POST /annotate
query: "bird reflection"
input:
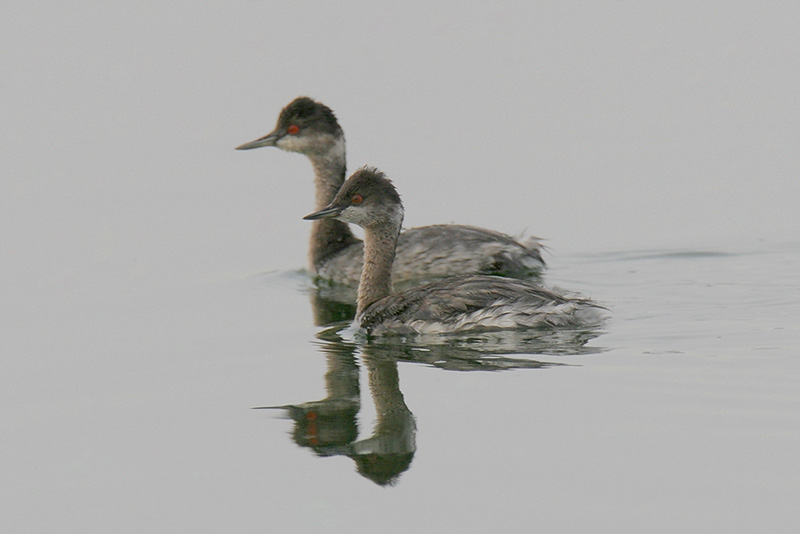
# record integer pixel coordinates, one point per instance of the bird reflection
(385, 455)
(332, 304)
(329, 426)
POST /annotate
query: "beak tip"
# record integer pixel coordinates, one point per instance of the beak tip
(268, 140)
(325, 213)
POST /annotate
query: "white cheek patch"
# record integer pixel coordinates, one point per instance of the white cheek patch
(361, 216)
(352, 215)
(291, 143)
(328, 148)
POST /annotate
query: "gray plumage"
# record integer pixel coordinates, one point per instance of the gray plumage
(453, 304)
(468, 302)
(438, 251)
(424, 253)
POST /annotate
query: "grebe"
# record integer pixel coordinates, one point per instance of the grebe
(335, 254)
(455, 304)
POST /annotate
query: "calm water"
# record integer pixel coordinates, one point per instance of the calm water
(139, 329)
(683, 413)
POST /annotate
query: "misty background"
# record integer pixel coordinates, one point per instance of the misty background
(150, 294)
(597, 126)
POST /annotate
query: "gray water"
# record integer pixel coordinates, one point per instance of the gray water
(153, 291)
(682, 413)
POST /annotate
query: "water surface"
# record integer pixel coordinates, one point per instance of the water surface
(151, 296)
(683, 409)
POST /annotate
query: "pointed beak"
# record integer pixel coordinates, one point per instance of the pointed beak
(268, 140)
(327, 212)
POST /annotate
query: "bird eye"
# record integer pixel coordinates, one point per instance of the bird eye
(356, 199)
(293, 129)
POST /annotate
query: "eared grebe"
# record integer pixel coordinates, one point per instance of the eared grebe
(311, 128)
(454, 304)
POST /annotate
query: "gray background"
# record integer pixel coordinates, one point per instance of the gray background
(597, 125)
(139, 326)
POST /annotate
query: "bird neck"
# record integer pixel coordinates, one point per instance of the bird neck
(380, 244)
(328, 236)
(395, 424)
(330, 164)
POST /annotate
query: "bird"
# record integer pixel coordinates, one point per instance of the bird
(453, 304)
(309, 127)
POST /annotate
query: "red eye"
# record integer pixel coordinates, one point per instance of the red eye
(293, 129)
(356, 199)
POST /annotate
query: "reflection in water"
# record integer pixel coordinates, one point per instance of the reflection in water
(333, 304)
(329, 426)
(478, 350)
(385, 455)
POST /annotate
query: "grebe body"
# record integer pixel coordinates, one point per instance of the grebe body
(454, 304)
(335, 254)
